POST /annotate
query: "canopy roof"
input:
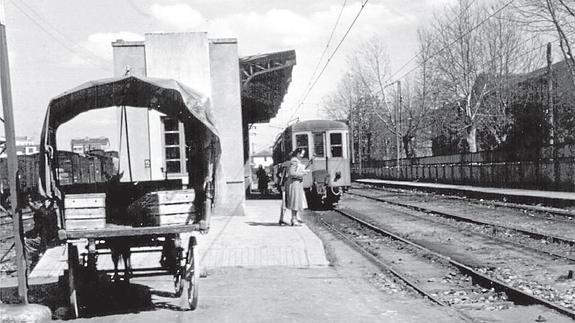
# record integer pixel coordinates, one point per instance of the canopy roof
(265, 79)
(165, 95)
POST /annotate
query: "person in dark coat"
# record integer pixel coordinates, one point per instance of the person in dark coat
(45, 228)
(282, 178)
(263, 180)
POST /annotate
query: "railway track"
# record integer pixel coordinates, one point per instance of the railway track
(6, 226)
(7, 237)
(554, 211)
(434, 275)
(536, 236)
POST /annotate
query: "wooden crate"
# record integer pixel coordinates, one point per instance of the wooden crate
(85, 211)
(164, 208)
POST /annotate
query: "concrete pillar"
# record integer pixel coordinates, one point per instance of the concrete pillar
(226, 100)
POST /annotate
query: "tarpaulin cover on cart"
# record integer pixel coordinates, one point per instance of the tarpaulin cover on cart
(164, 95)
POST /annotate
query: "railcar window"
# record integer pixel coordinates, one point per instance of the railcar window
(318, 144)
(336, 146)
(301, 141)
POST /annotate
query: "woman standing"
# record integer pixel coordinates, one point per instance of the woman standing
(295, 195)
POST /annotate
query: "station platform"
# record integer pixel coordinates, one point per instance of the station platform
(253, 240)
(548, 198)
(257, 240)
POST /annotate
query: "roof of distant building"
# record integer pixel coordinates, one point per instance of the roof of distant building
(87, 140)
(263, 153)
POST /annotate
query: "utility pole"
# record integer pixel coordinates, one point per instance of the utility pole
(12, 160)
(551, 117)
(359, 145)
(398, 126)
(550, 107)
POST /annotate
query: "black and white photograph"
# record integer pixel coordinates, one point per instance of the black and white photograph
(287, 161)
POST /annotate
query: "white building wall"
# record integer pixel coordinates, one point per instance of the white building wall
(185, 58)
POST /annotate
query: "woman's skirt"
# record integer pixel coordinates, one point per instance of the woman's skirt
(295, 196)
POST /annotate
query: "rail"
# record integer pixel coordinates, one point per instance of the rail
(512, 293)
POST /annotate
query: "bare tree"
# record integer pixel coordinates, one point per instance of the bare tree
(552, 17)
(361, 98)
(475, 55)
(398, 108)
(337, 105)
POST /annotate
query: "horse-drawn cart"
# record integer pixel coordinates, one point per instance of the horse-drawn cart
(116, 215)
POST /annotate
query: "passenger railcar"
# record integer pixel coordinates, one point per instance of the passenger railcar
(327, 143)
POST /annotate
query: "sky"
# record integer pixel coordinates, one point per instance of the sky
(55, 45)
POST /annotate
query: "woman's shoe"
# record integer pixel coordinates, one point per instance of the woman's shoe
(295, 223)
(281, 222)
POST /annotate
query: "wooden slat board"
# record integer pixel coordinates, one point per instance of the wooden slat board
(128, 231)
(90, 200)
(86, 224)
(164, 208)
(168, 219)
(85, 211)
(177, 196)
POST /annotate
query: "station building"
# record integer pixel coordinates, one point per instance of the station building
(242, 91)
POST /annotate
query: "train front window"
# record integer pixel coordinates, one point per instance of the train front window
(336, 144)
(301, 141)
(318, 145)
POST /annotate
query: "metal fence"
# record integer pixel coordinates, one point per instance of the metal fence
(548, 168)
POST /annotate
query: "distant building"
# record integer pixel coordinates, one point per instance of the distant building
(262, 157)
(24, 146)
(82, 146)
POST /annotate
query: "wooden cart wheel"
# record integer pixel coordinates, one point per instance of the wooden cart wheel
(73, 266)
(179, 282)
(180, 274)
(192, 274)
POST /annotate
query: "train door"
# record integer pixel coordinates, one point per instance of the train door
(337, 153)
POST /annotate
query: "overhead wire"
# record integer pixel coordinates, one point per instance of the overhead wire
(419, 53)
(326, 45)
(460, 37)
(59, 37)
(329, 60)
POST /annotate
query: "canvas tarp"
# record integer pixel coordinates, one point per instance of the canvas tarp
(164, 95)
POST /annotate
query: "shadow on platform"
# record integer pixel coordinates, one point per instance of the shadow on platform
(98, 298)
(258, 196)
(264, 224)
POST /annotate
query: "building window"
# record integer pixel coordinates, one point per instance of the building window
(318, 145)
(301, 141)
(336, 144)
(174, 152)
